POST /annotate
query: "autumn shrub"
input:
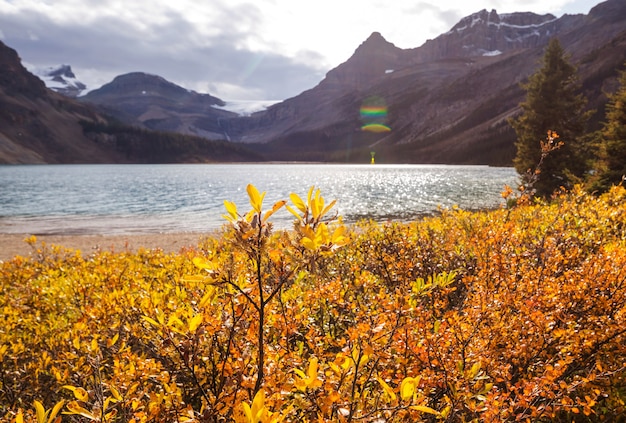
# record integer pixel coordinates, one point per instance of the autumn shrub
(515, 314)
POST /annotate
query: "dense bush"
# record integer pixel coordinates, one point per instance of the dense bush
(506, 315)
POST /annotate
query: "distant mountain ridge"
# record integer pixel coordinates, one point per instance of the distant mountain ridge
(488, 33)
(155, 103)
(446, 101)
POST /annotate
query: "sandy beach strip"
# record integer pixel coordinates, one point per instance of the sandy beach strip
(12, 245)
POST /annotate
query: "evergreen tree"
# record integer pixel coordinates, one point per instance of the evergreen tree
(553, 103)
(612, 166)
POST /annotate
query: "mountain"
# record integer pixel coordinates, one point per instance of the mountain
(38, 125)
(150, 101)
(489, 34)
(446, 101)
(62, 80)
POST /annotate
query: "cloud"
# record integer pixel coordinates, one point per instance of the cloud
(171, 46)
(234, 49)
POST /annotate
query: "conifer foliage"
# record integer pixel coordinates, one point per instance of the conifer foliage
(612, 167)
(553, 103)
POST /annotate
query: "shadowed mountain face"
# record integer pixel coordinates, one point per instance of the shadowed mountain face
(38, 125)
(447, 101)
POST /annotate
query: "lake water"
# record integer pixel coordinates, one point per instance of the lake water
(124, 199)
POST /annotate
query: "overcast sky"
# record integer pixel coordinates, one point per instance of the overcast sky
(233, 49)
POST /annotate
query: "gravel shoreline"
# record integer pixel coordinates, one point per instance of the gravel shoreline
(12, 245)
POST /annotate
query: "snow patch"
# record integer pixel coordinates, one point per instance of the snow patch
(492, 53)
(476, 20)
(58, 78)
(390, 71)
(246, 107)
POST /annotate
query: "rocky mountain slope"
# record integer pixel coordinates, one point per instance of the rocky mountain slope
(36, 123)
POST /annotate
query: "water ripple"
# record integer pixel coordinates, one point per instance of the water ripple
(189, 198)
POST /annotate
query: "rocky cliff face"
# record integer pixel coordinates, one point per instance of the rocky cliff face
(488, 34)
(38, 125)
(14, 79)
(155, 103)
(373, 59)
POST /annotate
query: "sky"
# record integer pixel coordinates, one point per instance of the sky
(234, 49)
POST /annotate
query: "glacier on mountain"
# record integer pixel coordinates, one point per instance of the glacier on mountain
(60, 79)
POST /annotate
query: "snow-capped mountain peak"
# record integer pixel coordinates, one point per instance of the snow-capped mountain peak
(61, 79)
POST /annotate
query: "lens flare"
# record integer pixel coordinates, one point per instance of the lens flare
(373, 113)
(376, 127)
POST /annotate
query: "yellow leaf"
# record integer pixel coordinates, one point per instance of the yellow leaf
(256, 198)
(231, 209)
(195, 278)
(112, 341)
(308, 380)
(328, 207)
(300, 373)
(335, 368)
(312, 371)
(308, 243)
(248, 412)
(321, 234)
(309, 196)
(208, 296)
(407, 388)
(338, 235)
(317, 203)
(116, 394)
(388, 390)
(424, 409)
(195, 322)
(151, 321)
(75, 408)
(3, 350)
(274, 209)
(297, 201)
(55, 410)
(258, 405)
(202, 263)
(473, 371)
(79, 393)
(41, 412)
(110, 415)
(295, 213)
(132, 389)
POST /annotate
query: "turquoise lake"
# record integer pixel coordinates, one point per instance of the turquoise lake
(119, 199)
